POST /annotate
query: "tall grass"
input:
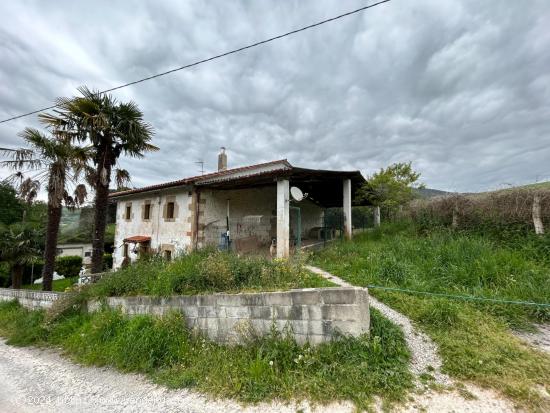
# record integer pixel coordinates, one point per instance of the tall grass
(474, 338)
(261, 369)
(206, 271)
(443, 261)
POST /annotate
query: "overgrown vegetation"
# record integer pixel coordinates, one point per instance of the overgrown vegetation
(500, 214)
(262, 369)
(206, 271)
(474, 338)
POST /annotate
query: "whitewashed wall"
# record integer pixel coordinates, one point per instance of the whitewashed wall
(164, 234)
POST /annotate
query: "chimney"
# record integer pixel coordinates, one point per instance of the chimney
(222, 160)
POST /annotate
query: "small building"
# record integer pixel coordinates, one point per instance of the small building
(83, 250)
(246, 209)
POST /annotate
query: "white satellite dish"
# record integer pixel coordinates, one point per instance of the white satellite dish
(297, 194)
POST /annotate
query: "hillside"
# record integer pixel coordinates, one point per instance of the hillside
(426, 193)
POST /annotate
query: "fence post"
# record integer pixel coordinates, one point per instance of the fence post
(377, 216)
(537, 220)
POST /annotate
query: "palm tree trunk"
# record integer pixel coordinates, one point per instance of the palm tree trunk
(17, 276)
(100, 212)
(50, 249)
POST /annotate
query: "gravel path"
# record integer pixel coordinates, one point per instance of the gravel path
(424, 357)
(540, 339)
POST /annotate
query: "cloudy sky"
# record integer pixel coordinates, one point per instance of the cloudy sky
(459, 87)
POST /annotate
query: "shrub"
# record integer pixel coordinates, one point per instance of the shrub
(68, 266)
(107, 261)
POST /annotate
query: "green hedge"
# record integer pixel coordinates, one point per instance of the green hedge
(68, 266)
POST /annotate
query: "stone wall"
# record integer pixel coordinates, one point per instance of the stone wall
(312, 315)
(29, 298)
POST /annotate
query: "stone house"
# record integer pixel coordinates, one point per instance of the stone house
(245, 209)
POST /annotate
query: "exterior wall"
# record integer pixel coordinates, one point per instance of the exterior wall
(311, 315)
(252, 221)
(33, 300)
(166, 234)
(81, 250)
(251, 213)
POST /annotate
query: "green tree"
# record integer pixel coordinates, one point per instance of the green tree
(11, 209)
(113, 129)
(389, 188)
(19, 246)
(58, 163)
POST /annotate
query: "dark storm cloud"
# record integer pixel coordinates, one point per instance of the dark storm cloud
(461, 88)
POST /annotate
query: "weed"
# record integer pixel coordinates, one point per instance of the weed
(262, 369)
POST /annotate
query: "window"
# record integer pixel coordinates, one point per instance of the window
(170, 207)
(128, 214)
(168, 255)
(147, 211)
(125, 250)
(88, 254)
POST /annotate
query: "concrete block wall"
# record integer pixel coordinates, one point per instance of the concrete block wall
(33, 300)
(312, 315)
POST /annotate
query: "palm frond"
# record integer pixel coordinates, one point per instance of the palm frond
(122, 178)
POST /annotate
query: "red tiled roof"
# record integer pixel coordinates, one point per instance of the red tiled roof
(198, 178)
(137, 239)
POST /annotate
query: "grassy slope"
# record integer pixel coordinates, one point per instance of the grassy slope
(263, 369)
(475, 340)
(204, 272)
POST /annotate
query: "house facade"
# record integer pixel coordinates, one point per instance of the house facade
(83, 250)
(246, 209)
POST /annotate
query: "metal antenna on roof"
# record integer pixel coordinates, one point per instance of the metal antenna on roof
(201, 163)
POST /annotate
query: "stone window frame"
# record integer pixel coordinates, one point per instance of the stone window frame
(170, 199)
(143, 209)
(126, 206)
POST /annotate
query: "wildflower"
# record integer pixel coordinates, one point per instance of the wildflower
(271, 362)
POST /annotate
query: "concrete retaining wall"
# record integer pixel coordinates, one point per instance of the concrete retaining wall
(29, 298)
(312, 315)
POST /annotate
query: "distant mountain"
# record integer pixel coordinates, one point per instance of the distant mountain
(426, 193)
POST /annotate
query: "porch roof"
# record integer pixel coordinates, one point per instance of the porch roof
(324, 187)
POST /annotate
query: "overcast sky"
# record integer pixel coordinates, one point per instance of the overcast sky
(460, 88)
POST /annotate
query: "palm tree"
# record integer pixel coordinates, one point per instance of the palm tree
(58, 163)
(27, 190)
(113, 129)
(19, 246)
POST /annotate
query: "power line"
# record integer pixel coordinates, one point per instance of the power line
(213, 57)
